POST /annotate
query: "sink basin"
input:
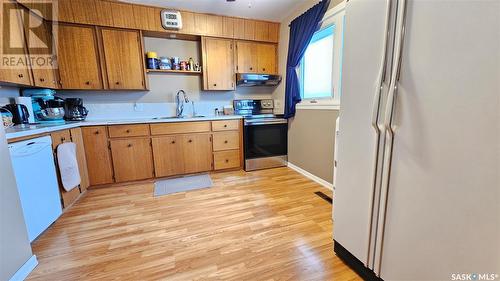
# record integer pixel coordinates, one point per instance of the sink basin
(175, 117)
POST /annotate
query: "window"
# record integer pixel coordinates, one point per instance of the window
(320, 70)
(316, 66)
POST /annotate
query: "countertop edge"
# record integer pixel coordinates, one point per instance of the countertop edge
(26, 132)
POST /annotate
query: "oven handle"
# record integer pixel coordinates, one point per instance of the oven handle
(257, 123)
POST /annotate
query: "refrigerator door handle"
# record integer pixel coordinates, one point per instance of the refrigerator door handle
(389, 111)
(379, 86)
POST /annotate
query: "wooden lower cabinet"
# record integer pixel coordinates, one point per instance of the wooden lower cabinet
(197, 153)
(167, 154)
(227, 159)
(77, 138)
(67, 197)
(99, 165)
(132, 159)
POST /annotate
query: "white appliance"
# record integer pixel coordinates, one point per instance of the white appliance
(418, 182)
(35, 172)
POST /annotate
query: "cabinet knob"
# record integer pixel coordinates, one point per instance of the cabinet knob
(20, 75)
(127, 131)
(251, 68)
(215, 85)
(263, 69)
(227, 160)
(173, 142)
(87, 83)
(117, 83)
(63, 139)
(42, 80)
(225, 125)
(225, 141)
(129, 145)
(190, 140)
(96, 132)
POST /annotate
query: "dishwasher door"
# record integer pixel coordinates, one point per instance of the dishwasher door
(36, 178)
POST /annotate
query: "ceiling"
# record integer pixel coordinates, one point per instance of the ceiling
(271, 10)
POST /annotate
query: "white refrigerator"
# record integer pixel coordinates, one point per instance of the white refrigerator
(417, 192)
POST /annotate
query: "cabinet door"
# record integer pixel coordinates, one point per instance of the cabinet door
(99, 165)
(218, 58)
(132, 159)
(246, 56)
(43, 75)
(19, 73)
(167, 154)
(77, 57)
(77, 138)
(197, 153)
(266, 58)
(68, 197)
(123, 57)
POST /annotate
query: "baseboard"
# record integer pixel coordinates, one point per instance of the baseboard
(354, 263)
(25, 270)
(311, 176)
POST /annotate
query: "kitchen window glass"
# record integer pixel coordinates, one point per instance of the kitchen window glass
(317, 65)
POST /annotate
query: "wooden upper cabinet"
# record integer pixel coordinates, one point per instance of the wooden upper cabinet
(238, 28)
(227, 27)
(141, 18)
(249, 30)
(218, 61)
(77, 57)
(17, 74)
(99, 165)
(261, 31)
(132, 159)
(214, 25)
(43, 75)
(274, 31)
(200, 24)
(123, 15)
(103, 11)
(246, 57)
(188, 25)
(84, 11)
(123, 58)
(266, 59)
(197, 152)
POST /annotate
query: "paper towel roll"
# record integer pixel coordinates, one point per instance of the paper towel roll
(27, 102)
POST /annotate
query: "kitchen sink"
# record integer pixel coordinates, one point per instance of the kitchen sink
(175, 117)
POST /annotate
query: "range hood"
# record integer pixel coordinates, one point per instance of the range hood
(255, 79)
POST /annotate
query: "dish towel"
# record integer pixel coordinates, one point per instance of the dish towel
(68, 165)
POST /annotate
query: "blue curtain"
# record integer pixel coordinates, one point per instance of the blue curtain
(302, 30)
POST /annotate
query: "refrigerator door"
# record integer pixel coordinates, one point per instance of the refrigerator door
(443, 195)
(368, 23)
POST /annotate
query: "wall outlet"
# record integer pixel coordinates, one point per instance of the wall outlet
(139, 107)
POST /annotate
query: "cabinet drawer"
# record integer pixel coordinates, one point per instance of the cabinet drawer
(180, 128)
(226, 140)
(226, 159)
(225, 125)
(120, 131)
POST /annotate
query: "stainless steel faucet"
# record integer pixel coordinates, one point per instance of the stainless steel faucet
(180, 103)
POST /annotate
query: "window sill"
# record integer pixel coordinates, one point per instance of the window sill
(318, 105)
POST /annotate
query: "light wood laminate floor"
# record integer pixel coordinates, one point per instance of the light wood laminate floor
(263, 225)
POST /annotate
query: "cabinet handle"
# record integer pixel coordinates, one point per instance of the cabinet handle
(251, 68)
(63, 139)
(127, 131)
(96, 132)
(227, 160)
(225, 141)
(42, 80)
(129, 145)
(20, 75)
(225, 125)
(215, 85)
(263, 69)
(117, 83)
(190, 140)
(87, 83)
(173, 142)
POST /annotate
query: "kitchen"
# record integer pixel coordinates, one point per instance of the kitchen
(199, 140)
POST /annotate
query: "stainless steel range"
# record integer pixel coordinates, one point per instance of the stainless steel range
(265, 135)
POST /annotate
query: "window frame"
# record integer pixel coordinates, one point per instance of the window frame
(336, 17)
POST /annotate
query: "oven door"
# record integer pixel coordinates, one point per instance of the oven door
(266, 143)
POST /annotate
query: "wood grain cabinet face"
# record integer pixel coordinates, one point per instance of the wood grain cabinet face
(225, 125)
(123, 57)
(77, 138)
(196, 153)
(99, 165)
(226, 140)
(168, 156)
(123, 131)
(226, 159)
(77, 58)
(20, 75)
(58, 138)
(266, 59)
(218, 60)
(246, 57)
(132, 159)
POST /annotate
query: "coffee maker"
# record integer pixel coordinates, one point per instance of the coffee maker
(74, 109)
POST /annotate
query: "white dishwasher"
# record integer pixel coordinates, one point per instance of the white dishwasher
(36, 179)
